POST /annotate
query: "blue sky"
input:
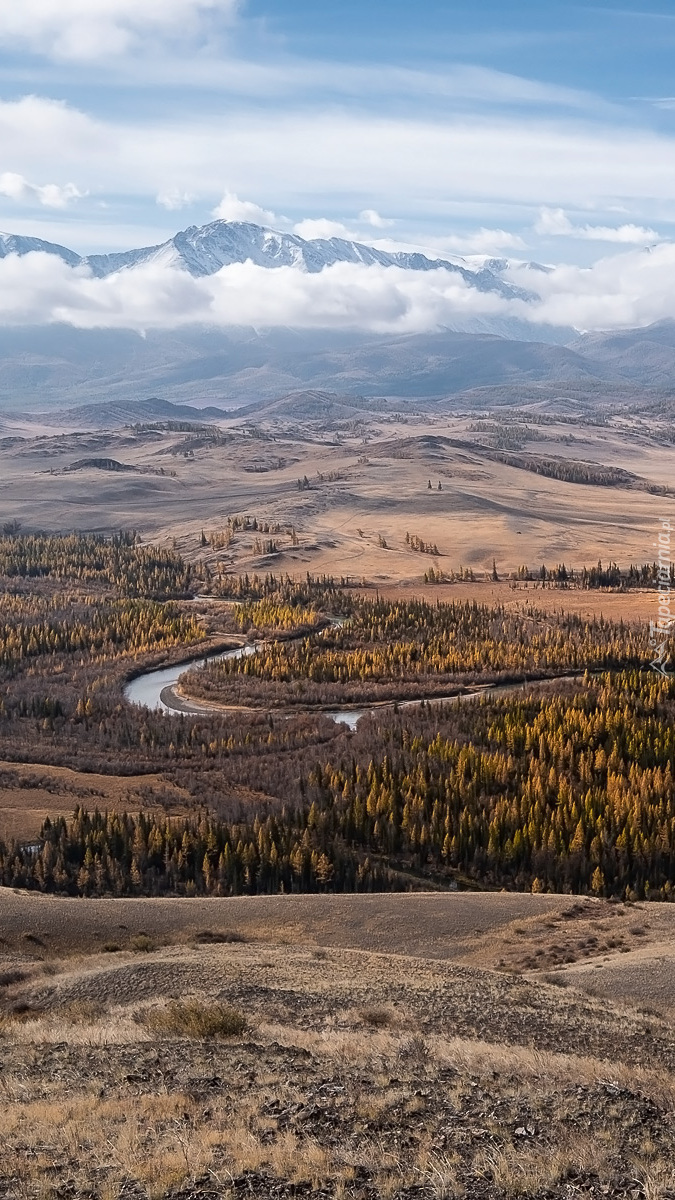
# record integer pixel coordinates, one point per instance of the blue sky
(530, 130)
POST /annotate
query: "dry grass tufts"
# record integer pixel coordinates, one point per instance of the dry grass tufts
(533, 1170)
(196, 1019)
(377, 1018)
(142, 944)
(657, 1181)
(7, 978)
(82, 1012)
(217, 937)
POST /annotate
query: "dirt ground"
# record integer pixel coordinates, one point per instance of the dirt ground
(607, 948)
(359, 1046)
(637, 605)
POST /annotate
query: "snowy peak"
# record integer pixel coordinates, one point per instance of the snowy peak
(204, 250)
(12, 243)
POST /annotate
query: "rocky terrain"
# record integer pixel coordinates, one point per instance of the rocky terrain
(275, 1053)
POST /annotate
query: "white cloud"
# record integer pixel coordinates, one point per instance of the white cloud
(40, 288)
(554, 222)
(92, 29)
(479, 241)
(371, 217)
(435, 169)
(50, 195)
(231, 208)
(321, 227)
(630, 289)
(623, 291)
(173, 199)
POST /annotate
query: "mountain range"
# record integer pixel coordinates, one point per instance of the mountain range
(203, 250)
(56, 366)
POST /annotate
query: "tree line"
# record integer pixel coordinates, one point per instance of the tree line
(570, 793)
(120, 561)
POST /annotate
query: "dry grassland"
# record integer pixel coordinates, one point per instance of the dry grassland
(274, 1053)
(404, 1047)
(367, 486)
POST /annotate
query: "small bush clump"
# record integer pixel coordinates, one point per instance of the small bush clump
(142, 944)
(196, 1019)
(7, 978)
(211, 937)
(377, 1018)
(82, 1012)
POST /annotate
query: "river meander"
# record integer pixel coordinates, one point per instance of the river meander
(156, 690)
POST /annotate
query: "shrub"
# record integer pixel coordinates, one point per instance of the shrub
(210, 937)
(142, 944)
(378, 1018)
(12, 976)
(82, 1012)
(196, 1019)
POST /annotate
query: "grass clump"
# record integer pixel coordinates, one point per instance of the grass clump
(377, 1018)
(142, 944)
(196, 1019)
(7, 978)
(217, 937)
(82, 1012)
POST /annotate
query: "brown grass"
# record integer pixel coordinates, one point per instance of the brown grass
(348, 526)
(262, 1068)
(195, 1019)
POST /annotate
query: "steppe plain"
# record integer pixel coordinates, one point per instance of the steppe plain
(398, 1046)
(367, 476)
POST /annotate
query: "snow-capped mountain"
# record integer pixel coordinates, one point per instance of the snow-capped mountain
(12, 243)
(204, 250)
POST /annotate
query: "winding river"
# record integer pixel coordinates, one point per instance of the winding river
(148, 689)
(155, 690)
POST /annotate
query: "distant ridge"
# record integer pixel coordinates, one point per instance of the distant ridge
(315, 404)
(131, 412)
(94, 374)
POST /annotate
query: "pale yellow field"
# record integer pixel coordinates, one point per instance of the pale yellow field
(368, 486)
(31, 792)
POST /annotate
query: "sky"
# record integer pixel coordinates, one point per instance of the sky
(538, 132)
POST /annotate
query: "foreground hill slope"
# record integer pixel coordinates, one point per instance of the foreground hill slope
(276, 1052)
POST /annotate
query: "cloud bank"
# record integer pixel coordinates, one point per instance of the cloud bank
(50, 195)
(91, 29)
(554, 222)
(627, 290)
(487, 169)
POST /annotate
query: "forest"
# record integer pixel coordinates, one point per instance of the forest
(120, 561)
(572, 792)
(567, 786)
(404, 649)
